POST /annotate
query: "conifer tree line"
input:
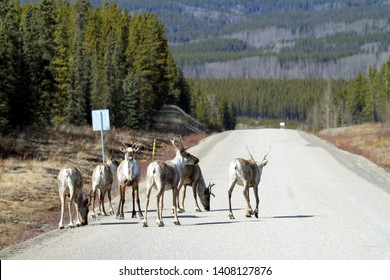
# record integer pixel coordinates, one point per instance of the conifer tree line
(315, 103)
(364, 99)
(60, 60)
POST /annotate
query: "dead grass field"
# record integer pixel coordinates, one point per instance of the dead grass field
(30, 162)
(369, 140)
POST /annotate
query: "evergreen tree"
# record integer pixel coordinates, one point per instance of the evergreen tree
(147, 55)
(62, 40)
(383, 98)
(46, 85)
(5, 86)
(119, 63)
(128, 113)
(6, 71)
(79, 90)
(94, 49)
(355, 99)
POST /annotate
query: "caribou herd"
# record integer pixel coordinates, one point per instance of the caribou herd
(181, 171)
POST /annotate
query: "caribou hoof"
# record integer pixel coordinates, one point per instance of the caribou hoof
(248, 215)
(160, 223)
(180, 210)
(231, 217)
(111, 212)
(256, 214)
(61, 227)
(145, 224)
(197, 209)
(177, 222)
(140, 216)
(93, 215)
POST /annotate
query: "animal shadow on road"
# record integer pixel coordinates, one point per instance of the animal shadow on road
(114, 223)
(291, 217)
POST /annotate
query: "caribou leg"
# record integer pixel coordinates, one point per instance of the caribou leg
(232, 184)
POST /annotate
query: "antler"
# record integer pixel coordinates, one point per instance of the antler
(267, 153)
(123, 143)
(181, 143)
(136, 146)
(249, 153)
(173, 143)
(209, 187)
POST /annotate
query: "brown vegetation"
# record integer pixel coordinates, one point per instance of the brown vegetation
(31, 159)
(369, 140)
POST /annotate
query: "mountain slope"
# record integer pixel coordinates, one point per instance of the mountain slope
(276, 39)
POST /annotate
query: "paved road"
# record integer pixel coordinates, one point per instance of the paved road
(315, 203)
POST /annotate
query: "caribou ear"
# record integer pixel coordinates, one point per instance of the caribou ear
(264, 163)
(86, 202)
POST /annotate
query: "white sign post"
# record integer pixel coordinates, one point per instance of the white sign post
(101, 121)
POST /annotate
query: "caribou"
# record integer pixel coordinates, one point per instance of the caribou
(103, 180)
(247, 173)
(192, 176)
(128, 174)
(70, 183)
(167, 176)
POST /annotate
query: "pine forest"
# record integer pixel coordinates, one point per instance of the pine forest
(59, 60)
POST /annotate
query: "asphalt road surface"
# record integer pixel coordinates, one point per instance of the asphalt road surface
(316, 203)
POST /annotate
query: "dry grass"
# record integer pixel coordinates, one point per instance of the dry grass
(30, 161)
(369, 140)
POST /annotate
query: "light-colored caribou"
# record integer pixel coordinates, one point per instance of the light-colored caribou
(192, 176)
(70, 183)
(167, 176)
(129, 174)
(247, 173)
(103, 180)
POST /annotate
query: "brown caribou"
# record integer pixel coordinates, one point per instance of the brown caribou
(247, 173)
(167, 176)
(70, 183)
(129, 175)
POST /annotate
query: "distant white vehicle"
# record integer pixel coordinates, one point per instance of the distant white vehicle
(282, 124)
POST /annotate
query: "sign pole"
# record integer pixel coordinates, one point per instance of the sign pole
(101, 134)
(101, 121)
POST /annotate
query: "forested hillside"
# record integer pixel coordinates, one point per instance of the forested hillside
(273, 38)
(60, 60)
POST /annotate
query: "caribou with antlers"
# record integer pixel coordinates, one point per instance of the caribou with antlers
(192, 176)
(129, 174)
(167, 176)
(247, 173)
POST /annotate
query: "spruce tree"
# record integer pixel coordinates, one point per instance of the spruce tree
(128, 112)
(46, 84)
(62, 40)
(78, 110)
